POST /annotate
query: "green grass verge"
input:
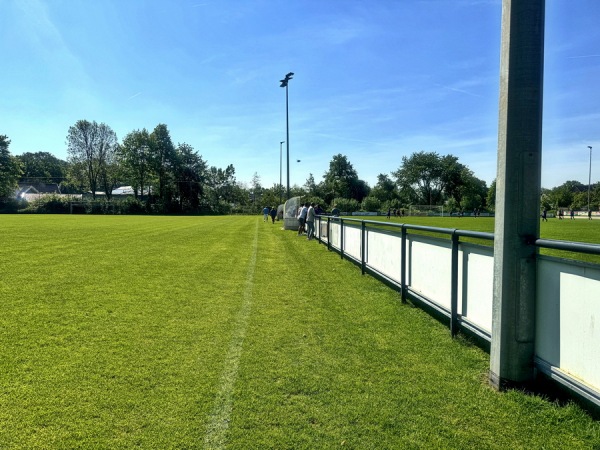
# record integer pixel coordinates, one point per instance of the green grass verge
(223, 332)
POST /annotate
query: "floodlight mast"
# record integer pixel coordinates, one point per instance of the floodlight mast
(280, 185)
(284, 83)
(590, 179)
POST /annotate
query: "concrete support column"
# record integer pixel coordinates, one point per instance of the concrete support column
(517, 193)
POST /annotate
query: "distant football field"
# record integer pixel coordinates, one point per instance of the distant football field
(146, 332)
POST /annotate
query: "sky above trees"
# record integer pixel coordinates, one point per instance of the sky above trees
(375, 81)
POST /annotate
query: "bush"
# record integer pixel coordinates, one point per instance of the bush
(9, 205)
(130, 205)
(371, 204)
(346, 204)
(48, 204)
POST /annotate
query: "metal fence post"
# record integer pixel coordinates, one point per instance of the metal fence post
(454, 286)
(363, 237)
(403, 266)
(328, 233)
(341, 238)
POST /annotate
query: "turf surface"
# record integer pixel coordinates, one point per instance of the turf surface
(227, 332)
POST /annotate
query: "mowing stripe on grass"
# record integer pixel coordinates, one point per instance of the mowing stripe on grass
(219, 418)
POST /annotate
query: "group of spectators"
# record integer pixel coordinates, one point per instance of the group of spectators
(306, 219)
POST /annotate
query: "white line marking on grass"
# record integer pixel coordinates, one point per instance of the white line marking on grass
(218, 423)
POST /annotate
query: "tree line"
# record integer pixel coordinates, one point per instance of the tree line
(169, 178)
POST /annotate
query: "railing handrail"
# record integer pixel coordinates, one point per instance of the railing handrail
(573, 246)
(409, 226)
(580, 247)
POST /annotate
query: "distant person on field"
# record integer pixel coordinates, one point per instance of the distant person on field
(266, 214)
(273, 214)
(590, 214)
(560, 214)
(572, 214)
(389, 212)
(544, 215)
(310, 221)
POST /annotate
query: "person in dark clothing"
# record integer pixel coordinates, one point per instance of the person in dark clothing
(273, 214)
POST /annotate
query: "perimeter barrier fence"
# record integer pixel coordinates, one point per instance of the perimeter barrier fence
(453, 279)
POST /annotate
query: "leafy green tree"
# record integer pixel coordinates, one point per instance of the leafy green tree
(42, 166)
(341, 180)
(190, 172)
(109, 174)
(490, 199)
(346, 204)
(91, 145)
(270, 197)
(222, 190)
(311, 187)
(563, 196)
(423, 173)
(10, 169)
(162, 163)
(257, 193)
(134, 160)
(371, 204)
(469, 192)
(297, 191)
(385, 189)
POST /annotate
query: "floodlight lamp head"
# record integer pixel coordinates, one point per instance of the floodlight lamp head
(289, 76)
(590, 147)
(283, 83)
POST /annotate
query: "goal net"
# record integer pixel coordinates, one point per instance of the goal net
(426, 210)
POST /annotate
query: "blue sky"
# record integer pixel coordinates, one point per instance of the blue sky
(374, 80)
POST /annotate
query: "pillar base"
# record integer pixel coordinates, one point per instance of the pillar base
(502, 384)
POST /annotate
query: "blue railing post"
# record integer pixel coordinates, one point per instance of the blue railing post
(363, 238)
(328, 233)
(341, 238)
(454, 286)
(403, 266)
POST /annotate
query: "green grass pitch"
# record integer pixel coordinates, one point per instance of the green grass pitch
(227, 332)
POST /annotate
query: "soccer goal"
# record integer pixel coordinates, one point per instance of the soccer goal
(426, 210)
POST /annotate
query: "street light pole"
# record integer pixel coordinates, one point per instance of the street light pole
(284, 83)
(590, 178)
(280, 186)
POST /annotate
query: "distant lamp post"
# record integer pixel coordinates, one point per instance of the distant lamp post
(284, 83)
(590, 177)
(280, 185)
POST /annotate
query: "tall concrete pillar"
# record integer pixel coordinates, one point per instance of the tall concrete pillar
(517, 193)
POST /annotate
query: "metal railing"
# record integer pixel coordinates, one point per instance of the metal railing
(457, 239)
(403, 228)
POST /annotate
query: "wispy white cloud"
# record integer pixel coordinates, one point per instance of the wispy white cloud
(134, 95)
(583, 56)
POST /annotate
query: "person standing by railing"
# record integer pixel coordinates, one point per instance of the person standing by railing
(302, 219)
(310, 221)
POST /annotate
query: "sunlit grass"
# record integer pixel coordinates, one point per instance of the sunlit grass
(115, 333)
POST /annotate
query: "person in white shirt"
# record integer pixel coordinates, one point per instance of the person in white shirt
(302, 219)
(310, 221)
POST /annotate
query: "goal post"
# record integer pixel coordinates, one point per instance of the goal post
(426, 210)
